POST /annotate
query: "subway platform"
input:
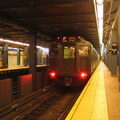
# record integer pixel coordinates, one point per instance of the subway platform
(100, 99)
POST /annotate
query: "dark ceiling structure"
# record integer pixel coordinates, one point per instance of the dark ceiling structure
(49, 19)
(110, 19)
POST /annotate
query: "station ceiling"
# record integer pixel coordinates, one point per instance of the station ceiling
(49, 19)
(110, 19)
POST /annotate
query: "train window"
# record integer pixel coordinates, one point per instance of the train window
(69, 52)
(64, 39)
(83, 50)
(69, 39)
(72, 39)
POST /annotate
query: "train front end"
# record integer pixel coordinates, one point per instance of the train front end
(69, 62)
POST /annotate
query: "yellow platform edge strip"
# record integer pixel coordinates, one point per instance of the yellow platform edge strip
(72, 111)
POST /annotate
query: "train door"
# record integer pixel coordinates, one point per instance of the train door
(82, 57)
(68, 65)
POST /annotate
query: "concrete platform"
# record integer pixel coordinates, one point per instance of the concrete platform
(100, 99)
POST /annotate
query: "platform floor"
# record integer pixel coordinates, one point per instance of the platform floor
(100, 99)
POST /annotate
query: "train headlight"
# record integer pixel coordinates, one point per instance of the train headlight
(53, 74)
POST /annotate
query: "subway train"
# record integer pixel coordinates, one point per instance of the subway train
(72, 60)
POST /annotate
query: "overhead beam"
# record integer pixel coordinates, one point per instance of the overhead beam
(23, 27)
(115, 22)
(107, 30)
(57, 15)
(66, 23)
(15, 5)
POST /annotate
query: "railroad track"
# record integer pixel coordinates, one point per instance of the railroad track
(10, 111)
(50, 103)
(56, 108)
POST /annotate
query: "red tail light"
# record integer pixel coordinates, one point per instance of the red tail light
(53, 74)
(83, 75)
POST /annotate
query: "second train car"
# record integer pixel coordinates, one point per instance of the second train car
(72, 60)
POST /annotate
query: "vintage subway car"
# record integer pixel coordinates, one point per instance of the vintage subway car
(72, 60)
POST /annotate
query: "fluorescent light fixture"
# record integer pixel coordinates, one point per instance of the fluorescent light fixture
(19, 43)
(9, 41)
(11, 48)
(100, 11)
(99, 4)
(99, 1)
(100, 18)
(25, 44)
(39, 47)
(1, 39)
(46, 50)
(14, 42)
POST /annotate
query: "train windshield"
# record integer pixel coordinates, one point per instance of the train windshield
(83, 50)
(69, 52)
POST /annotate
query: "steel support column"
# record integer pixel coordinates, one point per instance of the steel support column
(26, 56)
(113, 58)
(109, 55)
(32, 59)
(119, 38)
(38, 56)
(18, 57)
(5, 54)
